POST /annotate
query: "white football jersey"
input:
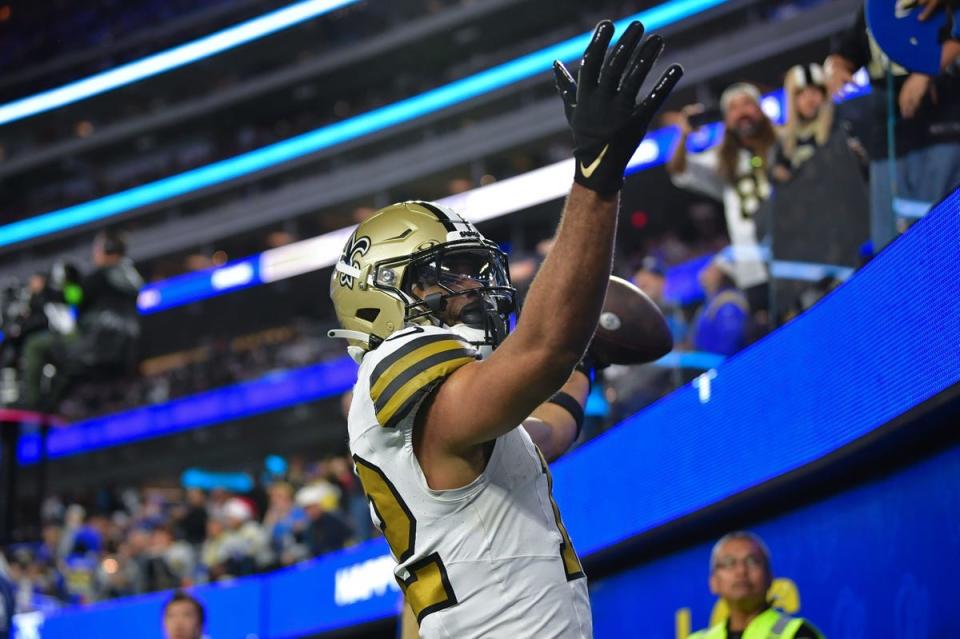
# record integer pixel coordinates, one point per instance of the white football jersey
(491, 559)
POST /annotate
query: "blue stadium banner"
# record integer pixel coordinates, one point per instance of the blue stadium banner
(868, 562)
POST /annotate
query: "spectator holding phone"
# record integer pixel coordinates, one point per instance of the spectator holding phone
(734, 172)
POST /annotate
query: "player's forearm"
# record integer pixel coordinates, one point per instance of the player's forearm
(565, 299)
(552, 427)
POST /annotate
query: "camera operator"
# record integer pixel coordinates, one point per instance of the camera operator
(108, 328)
(43, 304)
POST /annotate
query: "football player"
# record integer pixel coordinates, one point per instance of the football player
(453, 421)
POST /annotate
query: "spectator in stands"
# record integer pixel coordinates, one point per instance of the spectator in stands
(926, 120)
(809, 120)
(651, 278)
(193, 520)
(721, 325)
(284, 523)
(353, 502)
(734, 172)
(212, 553)
(327, 530)
(7, 600)
(183, 617)
(632, 388)
(118, 575)
(108, 327)
(170, 563)
(73, 521)
(741, 575)
(245, 549)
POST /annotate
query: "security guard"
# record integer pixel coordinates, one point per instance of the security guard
(740, 575)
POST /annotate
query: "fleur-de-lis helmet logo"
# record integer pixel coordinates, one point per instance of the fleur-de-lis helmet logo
(352, 253)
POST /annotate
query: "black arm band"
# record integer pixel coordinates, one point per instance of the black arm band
(572, 406)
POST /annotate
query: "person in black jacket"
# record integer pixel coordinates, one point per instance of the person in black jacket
(108, 328)
(926, 122)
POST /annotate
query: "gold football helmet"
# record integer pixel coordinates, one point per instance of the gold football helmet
(426, 246)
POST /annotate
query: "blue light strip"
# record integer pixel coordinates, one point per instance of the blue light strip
(200, 285)
(689, 359)
(273, 392)
(327, 136)
(164, 61)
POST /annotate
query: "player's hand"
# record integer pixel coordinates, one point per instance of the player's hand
(601, 106)
(916, 86)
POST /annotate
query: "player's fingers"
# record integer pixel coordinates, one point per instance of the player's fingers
(566, 86)
(594, 54)
(660, 91)
(640, 64)
(617, 60)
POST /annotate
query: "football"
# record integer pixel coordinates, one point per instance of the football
(631, 330)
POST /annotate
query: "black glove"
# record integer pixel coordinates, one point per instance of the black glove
(601, 107)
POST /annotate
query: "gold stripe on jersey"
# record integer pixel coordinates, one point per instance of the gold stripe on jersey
(394, 364)
(571, 562)
(428, 587)
(396, 520)
(400, 380)
(393, 406)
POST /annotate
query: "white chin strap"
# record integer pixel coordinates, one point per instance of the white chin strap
(355, 352)
(475, 336)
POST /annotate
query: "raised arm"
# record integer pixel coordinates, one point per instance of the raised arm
(484, 400)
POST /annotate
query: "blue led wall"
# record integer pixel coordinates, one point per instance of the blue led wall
(876, 561)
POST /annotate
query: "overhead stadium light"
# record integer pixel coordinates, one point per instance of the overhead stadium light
(324, 137)
(164, 61)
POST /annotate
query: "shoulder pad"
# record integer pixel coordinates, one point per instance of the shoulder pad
(408, 365)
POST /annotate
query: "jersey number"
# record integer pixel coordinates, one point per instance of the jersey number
(428, 588)
(571, 563)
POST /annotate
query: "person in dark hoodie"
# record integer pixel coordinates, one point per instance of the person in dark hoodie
(108, 328)
(924, 112)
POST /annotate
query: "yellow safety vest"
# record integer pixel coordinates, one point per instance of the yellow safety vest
(769, 624)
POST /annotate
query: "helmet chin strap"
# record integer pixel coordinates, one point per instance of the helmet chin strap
(475, 325)
(476, 336)
(356, 353)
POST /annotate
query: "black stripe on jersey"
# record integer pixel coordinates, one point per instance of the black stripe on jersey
(404, 350)
(416, 369)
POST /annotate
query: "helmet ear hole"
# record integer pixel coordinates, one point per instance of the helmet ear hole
(368, 314)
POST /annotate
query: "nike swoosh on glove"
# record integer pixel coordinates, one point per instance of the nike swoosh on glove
(601, 105)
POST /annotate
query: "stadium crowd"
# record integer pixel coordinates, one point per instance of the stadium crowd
(120, 542)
